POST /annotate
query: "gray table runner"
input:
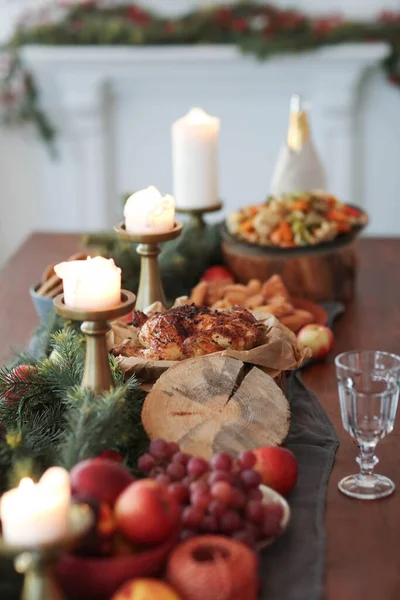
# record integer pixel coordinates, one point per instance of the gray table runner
(293, 567)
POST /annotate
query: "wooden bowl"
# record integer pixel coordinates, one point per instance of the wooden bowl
(84, 578)
(318, 273)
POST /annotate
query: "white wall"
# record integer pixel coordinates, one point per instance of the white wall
(23, 162)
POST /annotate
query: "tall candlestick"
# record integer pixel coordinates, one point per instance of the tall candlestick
(36, 514)
(195, 160)
(90, 284)
(147, 211)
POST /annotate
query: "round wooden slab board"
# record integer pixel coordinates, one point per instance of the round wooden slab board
(216, 404)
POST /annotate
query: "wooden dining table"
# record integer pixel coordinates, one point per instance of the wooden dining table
(363, 537)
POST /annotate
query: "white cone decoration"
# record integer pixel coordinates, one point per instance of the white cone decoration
(299, 167)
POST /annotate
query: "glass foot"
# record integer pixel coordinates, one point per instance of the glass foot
(366, 487)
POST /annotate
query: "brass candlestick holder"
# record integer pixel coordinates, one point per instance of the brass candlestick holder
(196, 215)
(150, 285)
(97, 374)
(38, 563)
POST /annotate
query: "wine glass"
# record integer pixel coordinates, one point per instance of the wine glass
(368, 383)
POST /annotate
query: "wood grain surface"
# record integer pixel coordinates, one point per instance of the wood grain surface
(213, 404)
(363, 538)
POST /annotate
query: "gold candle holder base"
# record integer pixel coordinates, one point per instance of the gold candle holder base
(150, 285)
(196, 218)
(97, 374)
(38, 563)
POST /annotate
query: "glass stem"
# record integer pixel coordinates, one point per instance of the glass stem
(367, 459)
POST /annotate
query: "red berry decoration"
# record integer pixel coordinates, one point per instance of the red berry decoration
(20, 373)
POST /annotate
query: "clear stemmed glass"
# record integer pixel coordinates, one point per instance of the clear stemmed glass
(368, 385)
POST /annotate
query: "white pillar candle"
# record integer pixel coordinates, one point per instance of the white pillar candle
(35, 514)
(147, 211)
(90, 284)
(195, 160)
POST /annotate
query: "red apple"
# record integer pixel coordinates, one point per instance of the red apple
(100, 478)
(112, 455)
(277, 467)
(316, 337)
(142, 589)
(145, 512)
(218, 273)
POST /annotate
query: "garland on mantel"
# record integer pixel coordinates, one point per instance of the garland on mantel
(256, 28)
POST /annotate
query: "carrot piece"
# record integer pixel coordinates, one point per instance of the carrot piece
(254, 210)
(246, 226)
(276, 236)
(343, 227)
(300, 205)
(287, 233)
(332, 201)
(351, 212)
(336, 216)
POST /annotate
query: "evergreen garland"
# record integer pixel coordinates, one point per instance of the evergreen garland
(48, 419)
(257, 28)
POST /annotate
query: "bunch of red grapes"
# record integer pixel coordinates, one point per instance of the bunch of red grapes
(221, 496)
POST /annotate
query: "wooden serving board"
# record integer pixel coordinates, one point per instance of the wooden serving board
(216, 404)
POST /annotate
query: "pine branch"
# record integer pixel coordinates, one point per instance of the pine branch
(98, 422)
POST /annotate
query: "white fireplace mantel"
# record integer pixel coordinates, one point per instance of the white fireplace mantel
(113, 107)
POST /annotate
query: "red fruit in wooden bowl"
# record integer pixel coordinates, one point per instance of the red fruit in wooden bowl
(278, 468)
(100, 478)
(99, 578)
(145, 512)
(218, 273)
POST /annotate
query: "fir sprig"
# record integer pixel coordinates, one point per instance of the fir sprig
(102, 422)
(47, 418)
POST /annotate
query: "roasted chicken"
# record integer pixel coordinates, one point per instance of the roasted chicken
(188, 331)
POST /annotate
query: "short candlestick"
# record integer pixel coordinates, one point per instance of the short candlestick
(97, 374)
(150, 284)
(196, 218)
(38, 563)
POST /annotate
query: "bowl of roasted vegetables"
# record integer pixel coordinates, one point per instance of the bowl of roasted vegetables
(296, 221)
